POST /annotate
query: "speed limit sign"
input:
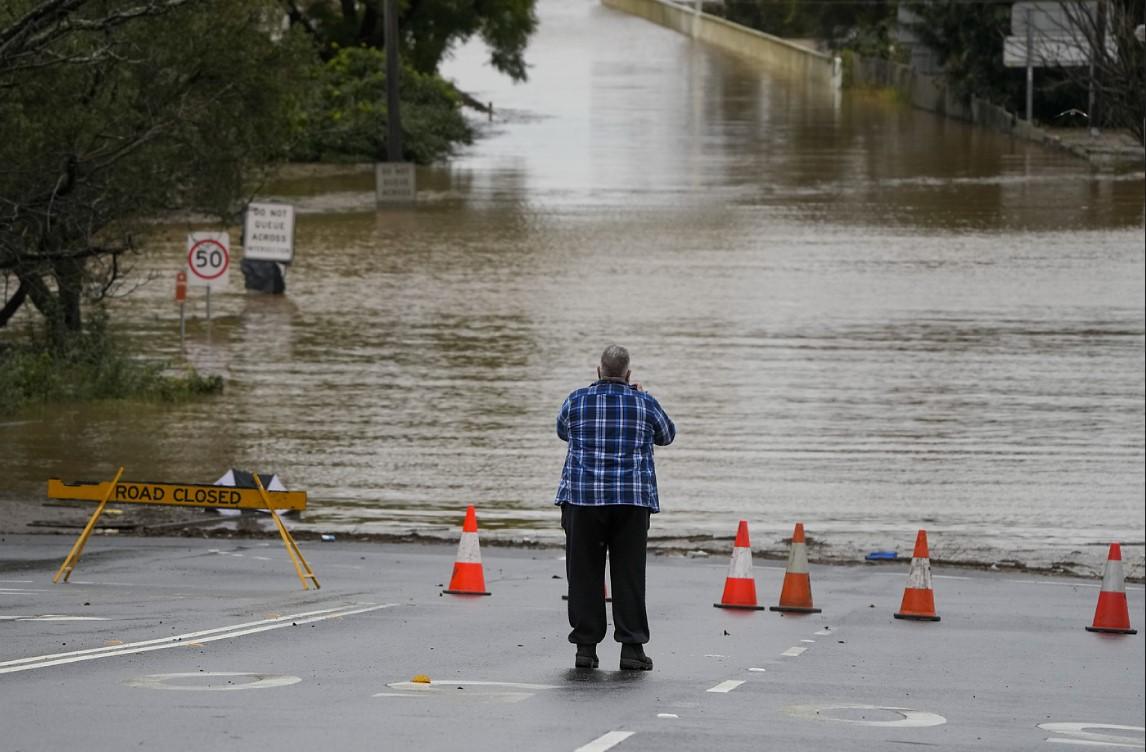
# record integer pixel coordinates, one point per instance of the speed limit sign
(209, 259)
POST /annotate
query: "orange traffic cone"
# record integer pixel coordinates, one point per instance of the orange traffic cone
(796, 594)
(918, 598)
(468, 577)
(739, 586)
(1112, 615)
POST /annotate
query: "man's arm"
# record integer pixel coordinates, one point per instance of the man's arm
(563, 422)
(664, 430)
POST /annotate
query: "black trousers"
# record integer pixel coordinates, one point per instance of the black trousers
(622, 532)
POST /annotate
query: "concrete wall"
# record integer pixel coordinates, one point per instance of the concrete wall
(776, 54)
(932, 94)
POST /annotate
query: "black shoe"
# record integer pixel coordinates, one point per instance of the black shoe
(633, 658)
(586, 657)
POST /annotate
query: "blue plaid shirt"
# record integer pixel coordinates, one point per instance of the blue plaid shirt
(611, 428)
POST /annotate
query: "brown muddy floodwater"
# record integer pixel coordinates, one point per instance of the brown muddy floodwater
(861, 316)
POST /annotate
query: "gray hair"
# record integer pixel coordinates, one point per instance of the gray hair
(614, 362)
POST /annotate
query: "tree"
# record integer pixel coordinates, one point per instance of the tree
(1116, 77)
(117, 111)
(345, 114)
(971, 48)
(430, 29)
(863, 25)
(968, 41)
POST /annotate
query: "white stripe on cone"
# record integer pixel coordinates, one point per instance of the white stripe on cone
(1112, 581)
(919, 577)
(468, 549)
(798, 559)
(740, 566)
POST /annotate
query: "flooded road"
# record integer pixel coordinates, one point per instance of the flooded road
(860, 316)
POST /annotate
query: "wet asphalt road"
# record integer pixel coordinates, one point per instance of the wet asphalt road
(212, 644)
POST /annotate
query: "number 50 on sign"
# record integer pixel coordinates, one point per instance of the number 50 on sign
(209, 259)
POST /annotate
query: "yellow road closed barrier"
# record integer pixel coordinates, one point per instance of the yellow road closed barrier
(180, 495)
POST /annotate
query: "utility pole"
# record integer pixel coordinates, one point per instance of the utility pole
(1030, 67)
(1097, 53)
(393, 71)
(395, 181)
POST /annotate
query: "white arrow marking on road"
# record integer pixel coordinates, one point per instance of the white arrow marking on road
(260, 681)
(1079, 734)
(726, 686)
(605, 742)
(485, 691)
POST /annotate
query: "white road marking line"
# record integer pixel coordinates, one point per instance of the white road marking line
(667, 715)
(823, 632)
(173, 638)
(262, 558)
(726, 686)
(1060, 584)
(165, 643)
(807, 640)
(52, 617)
(714, 655)
(754, 668)
(19, 582)
(793, 652)
(949, 577)
(605, 742)
(1087, 734)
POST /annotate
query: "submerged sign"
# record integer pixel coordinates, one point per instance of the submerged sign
(176, 494)
(268, 234)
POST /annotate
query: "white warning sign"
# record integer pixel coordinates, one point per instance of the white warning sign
(268, 234)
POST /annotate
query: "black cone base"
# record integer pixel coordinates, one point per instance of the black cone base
(916, 617)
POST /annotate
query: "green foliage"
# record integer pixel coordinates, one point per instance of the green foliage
(92, 365)
(429, 29)
(110, 119)
(970, 47)
(863, 26)
(346, 119)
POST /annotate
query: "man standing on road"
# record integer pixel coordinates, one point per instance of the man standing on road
(608, 490)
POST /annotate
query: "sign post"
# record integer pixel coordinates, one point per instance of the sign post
(181, 299)
(209, 262)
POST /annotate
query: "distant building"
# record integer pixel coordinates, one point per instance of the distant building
(923, 58)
